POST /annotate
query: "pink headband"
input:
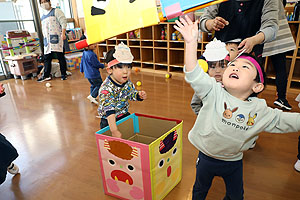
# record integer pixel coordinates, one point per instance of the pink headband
(112, 63)
(257, 66)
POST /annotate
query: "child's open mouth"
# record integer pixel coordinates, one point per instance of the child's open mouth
(234, 75)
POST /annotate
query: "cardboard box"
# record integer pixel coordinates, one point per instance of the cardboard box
(73, 60)
(146, 163)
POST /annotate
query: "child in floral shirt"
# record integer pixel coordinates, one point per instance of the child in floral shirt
(117, 89)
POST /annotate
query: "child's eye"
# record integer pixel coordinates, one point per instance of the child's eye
(244, 66)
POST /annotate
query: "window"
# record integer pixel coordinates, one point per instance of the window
(15, 16)
(65, 6)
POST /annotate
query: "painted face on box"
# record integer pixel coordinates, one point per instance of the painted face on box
(167, 169)
(122, 169)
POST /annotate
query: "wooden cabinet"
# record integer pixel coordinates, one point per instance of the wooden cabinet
(153, 48)
(156, 53)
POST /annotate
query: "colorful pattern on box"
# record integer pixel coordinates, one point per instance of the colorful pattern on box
(134, 170)
(73, 60)
(166, 159)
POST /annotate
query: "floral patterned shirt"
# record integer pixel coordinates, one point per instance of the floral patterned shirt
(113, 97)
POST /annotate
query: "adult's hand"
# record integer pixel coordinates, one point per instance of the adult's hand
(216, 24)
(250, 42)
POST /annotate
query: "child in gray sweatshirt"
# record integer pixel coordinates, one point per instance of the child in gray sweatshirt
(238, 116)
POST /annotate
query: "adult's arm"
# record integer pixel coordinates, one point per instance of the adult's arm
(62, 21)
(269, 23)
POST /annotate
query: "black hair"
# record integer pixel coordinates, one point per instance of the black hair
(222, 63)
(109, 57)
(257, 78)
(46, 1)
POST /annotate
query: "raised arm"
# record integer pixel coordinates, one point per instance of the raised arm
(189, 31)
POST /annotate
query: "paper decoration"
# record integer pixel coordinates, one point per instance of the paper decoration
(146, 163)
(172, 9)
(107, 18)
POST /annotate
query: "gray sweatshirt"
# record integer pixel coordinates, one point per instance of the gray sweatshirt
(226, 126)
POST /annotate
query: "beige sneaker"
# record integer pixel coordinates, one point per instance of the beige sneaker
(92, 99)
(13, 169)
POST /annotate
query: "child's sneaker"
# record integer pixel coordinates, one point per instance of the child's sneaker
(92, 99)
(13, 169)
(297, 165)
(253, 145)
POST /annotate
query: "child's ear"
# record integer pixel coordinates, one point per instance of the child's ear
(109, 70)
(258, 87)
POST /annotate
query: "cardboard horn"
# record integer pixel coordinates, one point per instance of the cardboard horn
(81, 44)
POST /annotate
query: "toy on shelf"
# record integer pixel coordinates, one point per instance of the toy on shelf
(131, 35)
(146, 163)
(20, 65)
(163, 34)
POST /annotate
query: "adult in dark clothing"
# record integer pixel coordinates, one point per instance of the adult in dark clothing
(255, 22)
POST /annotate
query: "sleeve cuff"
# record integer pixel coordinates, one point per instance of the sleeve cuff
(192, 75)
(202, 26)
(269, 34)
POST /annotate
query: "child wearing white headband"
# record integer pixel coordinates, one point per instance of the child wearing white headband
(117, 89)
(231, 117)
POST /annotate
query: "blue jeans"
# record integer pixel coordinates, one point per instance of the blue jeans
(95, 86)
(231, 171)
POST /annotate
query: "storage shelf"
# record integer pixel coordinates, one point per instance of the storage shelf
(154, 54)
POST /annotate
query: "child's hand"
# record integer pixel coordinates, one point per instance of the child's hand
(1, 88)
(188, 29)
(116, 133)
(143, 94)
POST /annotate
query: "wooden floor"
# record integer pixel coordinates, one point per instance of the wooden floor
(53, 130)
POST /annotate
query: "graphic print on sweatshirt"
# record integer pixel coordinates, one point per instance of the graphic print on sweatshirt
(237, 120)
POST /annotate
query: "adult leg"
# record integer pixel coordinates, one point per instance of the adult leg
(204, 178)
(47, 64)
(62, 63)
(233, 178)
(279, 64)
